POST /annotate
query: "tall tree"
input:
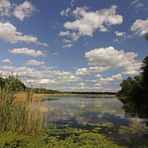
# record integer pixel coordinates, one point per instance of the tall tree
(2, 82)
(14, 84)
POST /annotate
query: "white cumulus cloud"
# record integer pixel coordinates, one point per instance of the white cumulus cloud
(7, 61)
(5, 7)
(69, 45)
(90, 70)
(87, 22)
(120, 34)
(104, 81)
(24, 10)
(27, 51)
(9, 33)
(113, 58)
(34, 63)
(140, 27)
(20, 11)
(65, 12)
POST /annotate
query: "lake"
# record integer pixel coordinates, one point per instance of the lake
(104, 115)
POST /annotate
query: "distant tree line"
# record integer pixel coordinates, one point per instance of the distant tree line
(94, 93)
(44, 91)
(12, 83)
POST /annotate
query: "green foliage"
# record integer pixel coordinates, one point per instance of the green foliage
(127, 87)
(16, 140)
(44, 91)
(131, 87)
(145, 73)
(14, 84)
(2, 82)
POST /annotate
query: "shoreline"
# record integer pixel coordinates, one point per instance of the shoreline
(21, 96)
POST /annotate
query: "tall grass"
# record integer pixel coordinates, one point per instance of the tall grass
(17, 116)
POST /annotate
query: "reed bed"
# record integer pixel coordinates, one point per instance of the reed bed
(18, 116)
(24, 96)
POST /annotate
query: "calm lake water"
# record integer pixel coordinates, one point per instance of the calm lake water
(102, 115)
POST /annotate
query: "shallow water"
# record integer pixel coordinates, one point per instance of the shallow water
(102, 115)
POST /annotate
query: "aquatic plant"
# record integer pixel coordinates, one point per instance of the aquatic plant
(77, 138)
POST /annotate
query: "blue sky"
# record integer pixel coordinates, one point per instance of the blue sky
(73, 45)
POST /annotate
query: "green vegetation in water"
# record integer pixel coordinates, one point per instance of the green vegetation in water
(75, 138)
(134, 133)
(106, 124)
(71, 137)
(133, 129)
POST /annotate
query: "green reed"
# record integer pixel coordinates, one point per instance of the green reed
(18, 116)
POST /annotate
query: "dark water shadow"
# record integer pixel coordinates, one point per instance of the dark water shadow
(136, 107)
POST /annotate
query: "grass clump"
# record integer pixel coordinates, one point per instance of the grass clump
(18, 117)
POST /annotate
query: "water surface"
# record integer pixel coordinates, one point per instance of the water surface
(97, 114)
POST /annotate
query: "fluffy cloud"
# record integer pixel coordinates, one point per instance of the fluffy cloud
(21, 11)
(27, 51)
(113, 58)
(5, 6)
(9, 33)
(87, 22)
(43, 82)
(140, 27)
(82, 71)
(65, 12)
(117, 77)
(64, 33)
(73, 36)
(133, 69)
(35, 63)
(55, 79)
(109, 57)
(90, 70)
(67, 41)
(24, 10)
(120, 34)
(104, 81)
(69, 45)
(7, 61)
